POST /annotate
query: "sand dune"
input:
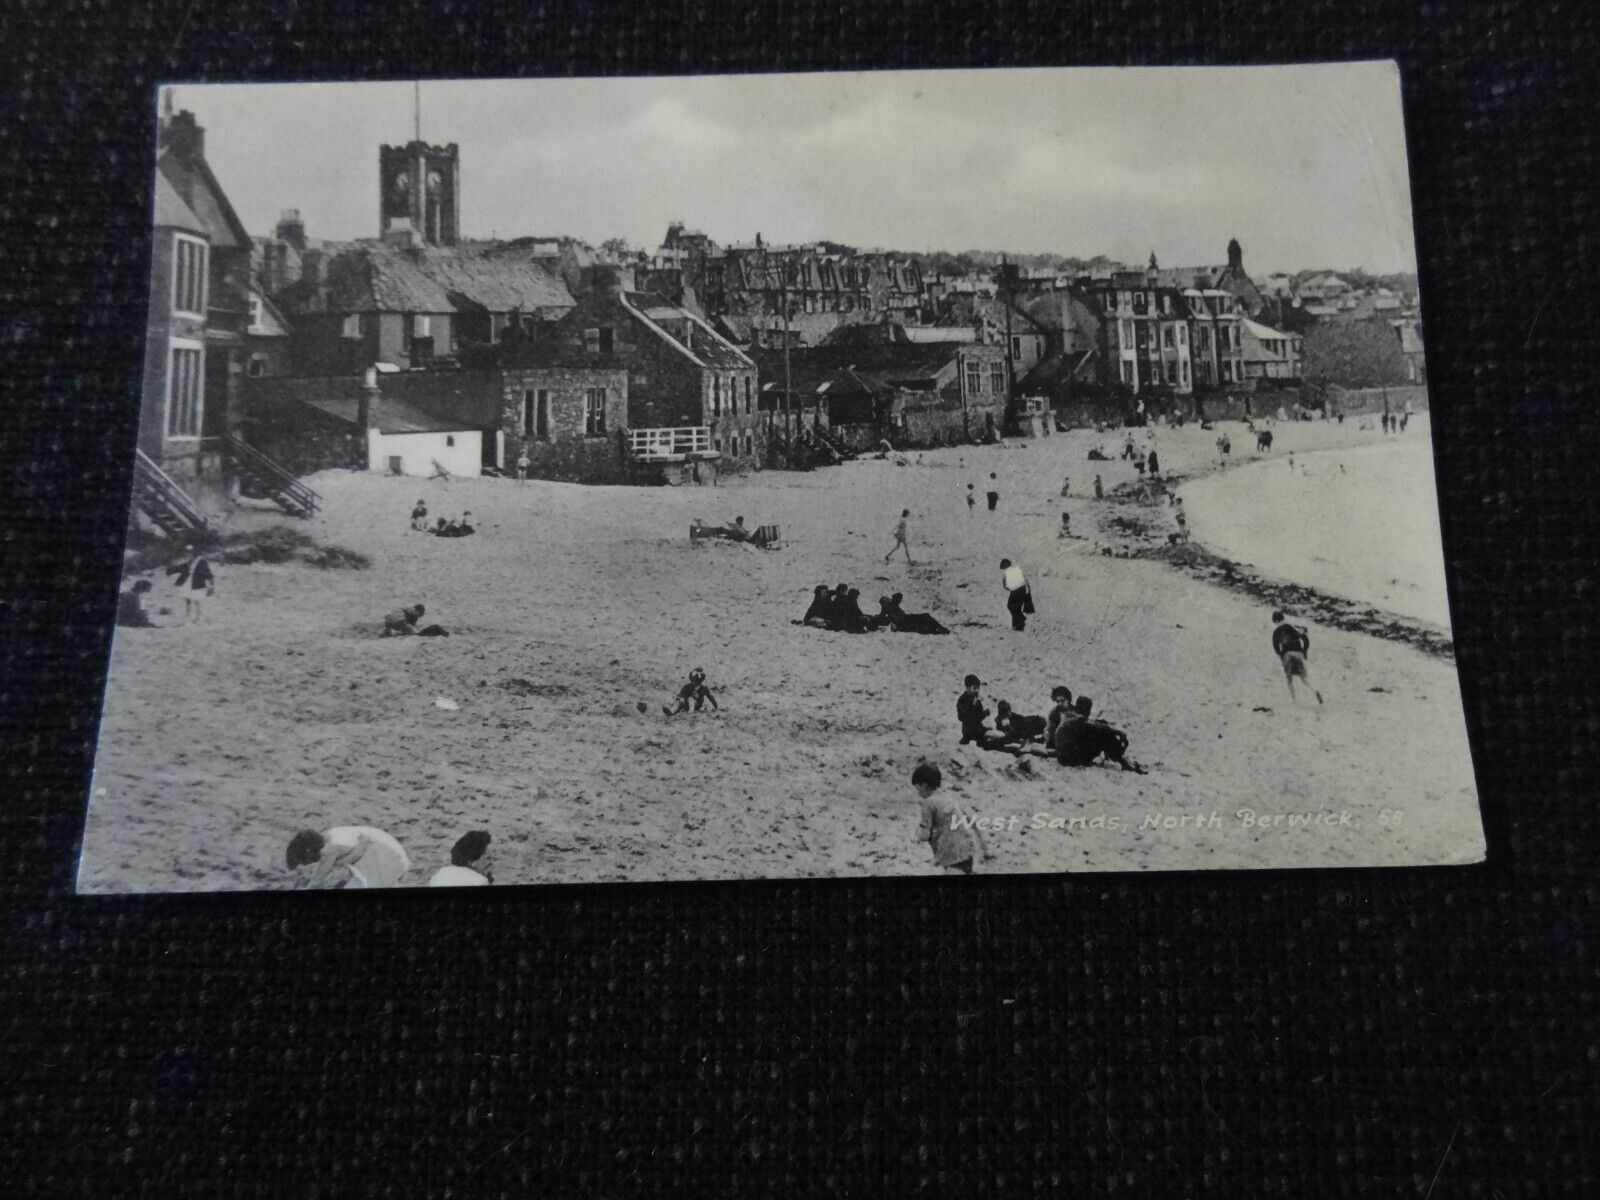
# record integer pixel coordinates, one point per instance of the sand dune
(576, 605)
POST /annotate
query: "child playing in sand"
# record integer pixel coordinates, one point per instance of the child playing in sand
(695, 690)
(954, 849)
(346, 856)
(469, 863)
(402, 622)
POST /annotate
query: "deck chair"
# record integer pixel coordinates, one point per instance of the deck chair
(767, 537)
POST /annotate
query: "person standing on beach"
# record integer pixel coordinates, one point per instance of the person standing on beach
(1066, 485)
(1019, 598)
(994, 496)
(1291, 643)
(900, 537)
(945, 825)
(1099, 489)
(972, 498)
(522, 466)
(1153, 464)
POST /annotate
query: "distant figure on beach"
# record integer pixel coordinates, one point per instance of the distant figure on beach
(954, 849)
(1066, 525)
(900, 537)
(695, 690)
(1019, 597)
(1405, 417)
(1181, 518)
(1080, 740)
(972, 498)
(1017, 727)
(971, 712)
(194, 578)
(821, 607)
(1066, 485)
(1264, 440)
(419, 516)
(470, 864)
(1099, 489)
(892, 616)
(1097, 454)
(1060, 709)
(456, 527)
(346, 856)
(130, 607)
(1291, 643)
(994, 496)
(1127, 446)
(522, 466)
(1138, 464)
(1153, 465)
(402, 622)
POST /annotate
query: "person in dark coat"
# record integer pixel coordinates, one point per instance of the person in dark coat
(821, 606)
(130, 607)
(848, 615)
(903, 622)
(1080, 740)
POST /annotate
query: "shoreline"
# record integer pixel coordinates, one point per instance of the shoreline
(1135, 539)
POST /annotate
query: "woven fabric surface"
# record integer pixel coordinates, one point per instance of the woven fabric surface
(1308, 1034)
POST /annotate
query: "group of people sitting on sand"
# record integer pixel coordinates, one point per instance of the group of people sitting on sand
(455, 527)
(840, 611)
(360, 856)
(1068, 733)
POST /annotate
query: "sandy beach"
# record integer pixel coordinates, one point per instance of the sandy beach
(576, 607)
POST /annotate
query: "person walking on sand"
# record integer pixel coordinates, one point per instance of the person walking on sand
(1291, 643)
(194, 578)
(972, 499)
(1066, 485)
(994, 496)
(945, 825)
(1019, 598)
(900, 537)
(1099, 489)
(695, 690)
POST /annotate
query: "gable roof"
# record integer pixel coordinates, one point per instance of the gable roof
(171, 210)
(367, 278)
(709, 348)
(499, 283)
(191, 177)
(394, 416)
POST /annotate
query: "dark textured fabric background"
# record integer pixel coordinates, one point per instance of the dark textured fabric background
(1344, 1034)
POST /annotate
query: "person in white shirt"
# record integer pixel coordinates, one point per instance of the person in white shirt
(1019, 600)
(469, 863)
(346, 856)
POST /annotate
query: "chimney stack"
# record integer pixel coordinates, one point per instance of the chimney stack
(292, 229)
(1235, 255)
(182, 134)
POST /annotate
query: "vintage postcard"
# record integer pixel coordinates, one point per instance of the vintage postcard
(968, 472)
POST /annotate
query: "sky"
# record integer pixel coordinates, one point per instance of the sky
(1305, 165)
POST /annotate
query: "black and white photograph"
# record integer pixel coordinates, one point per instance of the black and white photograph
(959, 472)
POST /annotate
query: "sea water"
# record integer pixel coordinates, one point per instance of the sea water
(1360, 523)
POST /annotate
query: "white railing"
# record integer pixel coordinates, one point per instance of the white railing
(669, 443)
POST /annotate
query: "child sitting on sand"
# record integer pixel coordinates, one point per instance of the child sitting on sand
(346, 856)
(402, 622)
(419, 516)
(695, 690)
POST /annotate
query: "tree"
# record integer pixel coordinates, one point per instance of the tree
(1354, 354)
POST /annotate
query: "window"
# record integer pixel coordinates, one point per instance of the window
(1138, 303)
(606, 343)
(747, 400)
(749, 445)
(185, 388)
(716, 444)
(716, 395)
(1127, 334)
(188, 275)
(1166, 336)
(1127, 372)
(974, 378)
(591, 341)
(1184, 372)
(1111, 302)
(257, 366)
(421, 326)
(449, 439)
(1172, 372)
(254, 303)
(997, 378)
(1227, 371)
(1016, 347)
(352, 327)
(1183, 335)
(594, 411)
(536, 413)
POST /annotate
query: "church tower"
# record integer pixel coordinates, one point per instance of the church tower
(419, 191)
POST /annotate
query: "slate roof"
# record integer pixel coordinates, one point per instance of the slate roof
(367, 278)
(394, 416)
(498, 284)
(708, 347)
(884, 362)
(172, 211)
